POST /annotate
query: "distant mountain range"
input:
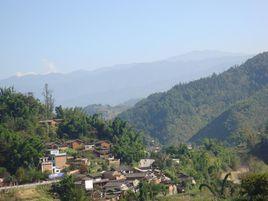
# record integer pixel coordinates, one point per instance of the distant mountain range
(117, 84)
(215, 107)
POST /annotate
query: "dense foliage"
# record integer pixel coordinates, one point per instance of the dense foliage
(128, 146)
(17, 151)
(237, 124)
(76, 124)
(254, 187)
(203, 163)
(19, 112)
(20, 133)
(66, 190)
(181, 112)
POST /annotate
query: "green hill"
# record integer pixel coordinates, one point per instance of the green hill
(181, 112)
(251, 113)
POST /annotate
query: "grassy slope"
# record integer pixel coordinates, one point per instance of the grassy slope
(27, 194)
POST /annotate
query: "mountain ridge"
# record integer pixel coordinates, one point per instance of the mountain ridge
(119, 83)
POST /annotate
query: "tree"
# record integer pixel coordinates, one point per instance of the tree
(129, 146)
(218, 192)
(48, 101)
(255, 186)
(19, 151)
(76, 124)
(19, 112)
(59, 112)
(149, 191)
(67, 191)
(21, 175)
(144, 190)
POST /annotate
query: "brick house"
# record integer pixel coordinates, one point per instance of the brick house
(102, 148)
(60, 160)
(46, 165)
(75, 144)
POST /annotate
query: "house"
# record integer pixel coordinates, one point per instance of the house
(86, 183)
(59, 160)
(78, 162)
(113, 189)
(102, 149)
(103, 144)
(124, 169)
(112, 193)
(54, 162)
(146, 163)
(46, 165)
(51, 122)
(75, 144)
(113, 175)
(51, 145)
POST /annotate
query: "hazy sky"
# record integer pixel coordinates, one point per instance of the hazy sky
(46, 36)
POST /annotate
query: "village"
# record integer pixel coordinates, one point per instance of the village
(96, 170)
(108, 181)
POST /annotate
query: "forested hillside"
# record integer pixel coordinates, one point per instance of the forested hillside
(184, 110)
(246, 116)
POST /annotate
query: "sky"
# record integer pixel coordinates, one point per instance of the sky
(39, 36)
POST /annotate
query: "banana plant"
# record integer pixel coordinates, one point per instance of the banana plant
(217, 191)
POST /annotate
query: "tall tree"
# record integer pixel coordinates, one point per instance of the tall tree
(49, 101)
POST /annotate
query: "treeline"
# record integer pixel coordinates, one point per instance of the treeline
(22, 136)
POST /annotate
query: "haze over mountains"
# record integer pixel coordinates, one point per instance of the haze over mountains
(120, 83)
